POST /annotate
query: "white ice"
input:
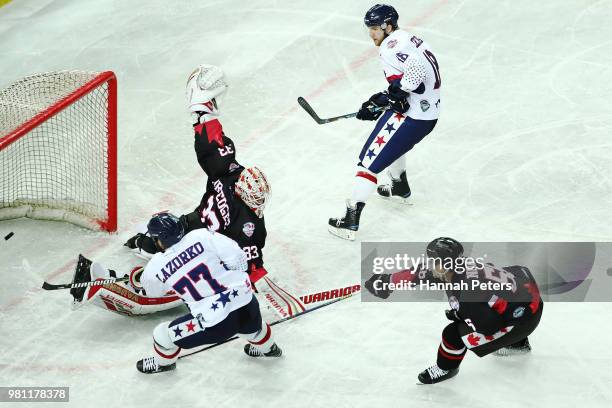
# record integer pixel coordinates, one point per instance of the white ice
(521, 152)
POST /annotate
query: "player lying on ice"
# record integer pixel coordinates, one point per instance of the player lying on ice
(232, 204)
(484, 321)
(405, 113)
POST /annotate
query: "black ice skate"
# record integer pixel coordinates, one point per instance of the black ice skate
(149, 365)
(520, 347)
(346, 226)
(398, 190)
(435, 374)
(253, 351)
(81, 274)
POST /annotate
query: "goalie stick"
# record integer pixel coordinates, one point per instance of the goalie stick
(306, 106)
(279, 321)
(99, 282)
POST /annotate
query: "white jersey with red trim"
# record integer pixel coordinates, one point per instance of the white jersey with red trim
(207, 270)
(410, 59)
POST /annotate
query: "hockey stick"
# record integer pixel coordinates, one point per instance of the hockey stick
(274, 323)
(50, 286)
(306, 106)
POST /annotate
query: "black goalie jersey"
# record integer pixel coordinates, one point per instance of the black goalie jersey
(221, 210)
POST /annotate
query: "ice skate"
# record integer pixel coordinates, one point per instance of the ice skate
(398, 190)
(518, 348)
(253, 351)
(346, 226)
(150, 365)
(435, 374)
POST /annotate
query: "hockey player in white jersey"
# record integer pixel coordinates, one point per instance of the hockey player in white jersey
(208, 272)
(406, 112)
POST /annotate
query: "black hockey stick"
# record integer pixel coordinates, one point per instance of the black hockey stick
(304, 104)
(50, 286)
(284, 319)
(316, 117)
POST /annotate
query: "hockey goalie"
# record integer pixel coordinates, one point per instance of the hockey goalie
(232, 205)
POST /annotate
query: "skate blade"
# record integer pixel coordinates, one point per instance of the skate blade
(399, 200)
(342, 233)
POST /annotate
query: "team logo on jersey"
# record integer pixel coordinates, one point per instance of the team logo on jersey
(453, 302)
(424, 105)
(248, 228)
(518, 312)
(391, 43)
(233, 166)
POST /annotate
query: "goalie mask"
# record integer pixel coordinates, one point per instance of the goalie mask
(204, 87)
(253, 188)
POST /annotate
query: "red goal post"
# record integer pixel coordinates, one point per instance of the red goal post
(58, 148)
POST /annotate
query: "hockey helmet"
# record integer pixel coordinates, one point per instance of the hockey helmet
(167, 228)
(380, 15)
(444, 250)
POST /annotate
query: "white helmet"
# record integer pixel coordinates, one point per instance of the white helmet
(253, 188)
(204, 84)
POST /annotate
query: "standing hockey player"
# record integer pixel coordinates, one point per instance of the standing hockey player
(484, 320)
(411, 105)
(208, 272)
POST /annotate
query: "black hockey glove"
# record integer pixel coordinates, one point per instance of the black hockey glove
(379, 281)
(398, 98)
(452, 315)
(142, 242)
(373, 107)
(135, 241)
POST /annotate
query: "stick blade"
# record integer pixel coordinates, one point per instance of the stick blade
(306, 106)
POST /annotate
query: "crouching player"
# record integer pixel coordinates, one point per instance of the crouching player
(208, 272)
(483, 320)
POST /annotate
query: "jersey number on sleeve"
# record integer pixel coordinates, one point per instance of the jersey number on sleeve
(187, 282)
(434, 65)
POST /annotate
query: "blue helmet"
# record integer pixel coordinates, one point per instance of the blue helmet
(167, 228)
(380, 15)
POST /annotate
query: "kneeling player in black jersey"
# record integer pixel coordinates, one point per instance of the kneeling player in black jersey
(485, 319)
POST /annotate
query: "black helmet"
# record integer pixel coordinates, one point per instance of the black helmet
(380, 15)
(167, 228)
(444, 248)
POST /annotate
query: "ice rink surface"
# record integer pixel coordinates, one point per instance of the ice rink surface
(521, 153)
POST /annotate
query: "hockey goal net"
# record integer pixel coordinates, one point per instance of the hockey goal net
(58, 148)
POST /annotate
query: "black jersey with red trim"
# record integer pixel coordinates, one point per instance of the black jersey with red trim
(489, 298)
(215, 152)
(223, 211)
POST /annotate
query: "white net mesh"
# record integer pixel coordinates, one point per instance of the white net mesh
(59, 169)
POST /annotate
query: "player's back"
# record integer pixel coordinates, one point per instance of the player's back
(226, 213)
(194, 268)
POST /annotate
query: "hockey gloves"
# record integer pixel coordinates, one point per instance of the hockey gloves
(398, 98)
(452, 315)
(378, 285)
(373, 107)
